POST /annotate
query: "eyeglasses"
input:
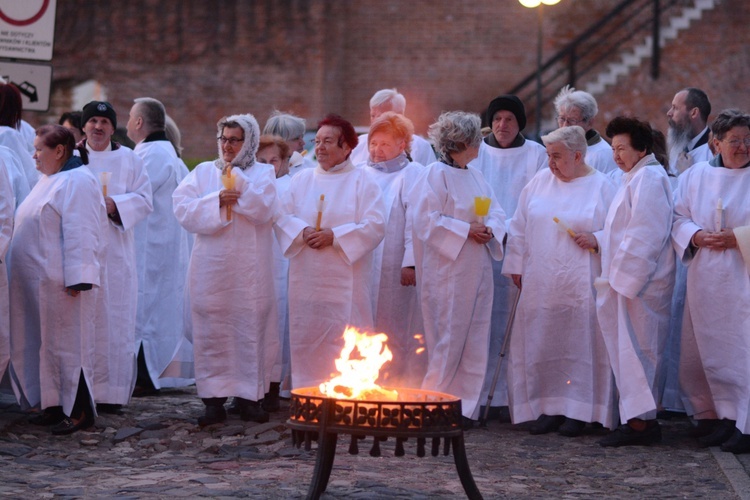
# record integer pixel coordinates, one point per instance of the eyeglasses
(736, 143)
(561, 120)
(233, 141)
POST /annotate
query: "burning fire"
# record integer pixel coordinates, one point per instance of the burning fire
(356, 379)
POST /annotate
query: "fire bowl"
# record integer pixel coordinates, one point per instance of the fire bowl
(416, 414)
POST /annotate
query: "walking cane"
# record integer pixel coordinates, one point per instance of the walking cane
(508, 329)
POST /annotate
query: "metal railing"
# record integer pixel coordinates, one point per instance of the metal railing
(622, 28)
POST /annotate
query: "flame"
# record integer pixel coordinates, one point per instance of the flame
(356, 379)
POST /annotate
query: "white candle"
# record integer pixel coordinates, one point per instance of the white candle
(719, 218)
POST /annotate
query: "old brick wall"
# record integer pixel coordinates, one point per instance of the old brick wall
(207, 59)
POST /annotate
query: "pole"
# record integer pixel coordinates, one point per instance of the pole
(540, 23)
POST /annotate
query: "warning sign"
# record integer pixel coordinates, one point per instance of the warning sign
(27, 29)
(32, 80)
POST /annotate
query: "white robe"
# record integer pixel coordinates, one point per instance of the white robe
(397, 312)
(329, 288)
(161, 247)
(421, 151)
(557, 359)
(454, 276)
(7, 209)
(634, 293)
(59, 241)
(599, 156)
(230, 279)
(129, 187)
(507, 171)
(281, 369)
(715, 363)
(18, 180)
(13, 140)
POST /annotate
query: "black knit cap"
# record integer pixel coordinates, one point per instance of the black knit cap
(510, 103)
(98, 108)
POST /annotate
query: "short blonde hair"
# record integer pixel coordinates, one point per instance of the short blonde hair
(394, 124)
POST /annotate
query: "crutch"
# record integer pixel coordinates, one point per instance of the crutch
(508, 329)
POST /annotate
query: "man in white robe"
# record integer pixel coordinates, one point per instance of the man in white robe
(391, 100)
(161, 252)
(508, 161)
(714, 243)
(576, 107)
(330, 265)
(230, 276)
(128, 200)
(687, 143)
(634, 293)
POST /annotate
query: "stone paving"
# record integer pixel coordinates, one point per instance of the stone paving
(155, 449)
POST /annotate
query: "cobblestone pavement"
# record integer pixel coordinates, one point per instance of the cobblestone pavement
(155, 449)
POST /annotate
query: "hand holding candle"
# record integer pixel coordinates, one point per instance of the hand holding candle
(564, 227)
(321, 202)
(104, 178)
(482, 207)
(228, 180)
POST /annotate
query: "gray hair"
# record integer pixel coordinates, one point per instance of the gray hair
(727, 120)
(174, 135)
(152, 112)
(569, 97)
(573, 138)
(395, 101)
(455, 131)
(284, 125)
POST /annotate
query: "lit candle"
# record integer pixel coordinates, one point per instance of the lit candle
(321, 202)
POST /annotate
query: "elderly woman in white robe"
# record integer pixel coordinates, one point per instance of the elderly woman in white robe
(454, 248)
(329, 247)
(558, 370)
(634, 293)
(57, 264)
(711, 234)
(229, 204)
(397, 311)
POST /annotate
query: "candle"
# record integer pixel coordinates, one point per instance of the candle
(482, 207)
(565, 228)
(719, 216)
(321, 202)
(104, 178)
(228, 180)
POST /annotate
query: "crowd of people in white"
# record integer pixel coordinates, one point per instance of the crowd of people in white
(616, 273)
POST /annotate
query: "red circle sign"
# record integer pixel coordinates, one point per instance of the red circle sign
(25, 22)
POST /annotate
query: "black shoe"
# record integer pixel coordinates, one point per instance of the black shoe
(234, 408)
(271, 402)
(67, 426)
(724, 430)
(703, 427)
(252, 411)
(571, 427)
(50, 416)
(627, 436)
(546, 424)
(467, 423)
(738, 444)
(214, 415)
(111, 409)
(141, 391)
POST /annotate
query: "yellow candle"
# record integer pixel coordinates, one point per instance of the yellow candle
(228, 180)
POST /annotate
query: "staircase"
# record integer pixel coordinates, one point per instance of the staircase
(635, 57)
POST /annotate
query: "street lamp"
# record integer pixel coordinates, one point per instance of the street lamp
(531, 4)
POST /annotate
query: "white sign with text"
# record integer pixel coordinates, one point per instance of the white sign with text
(27, 29)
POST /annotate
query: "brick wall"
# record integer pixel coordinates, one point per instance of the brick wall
(310, 57)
